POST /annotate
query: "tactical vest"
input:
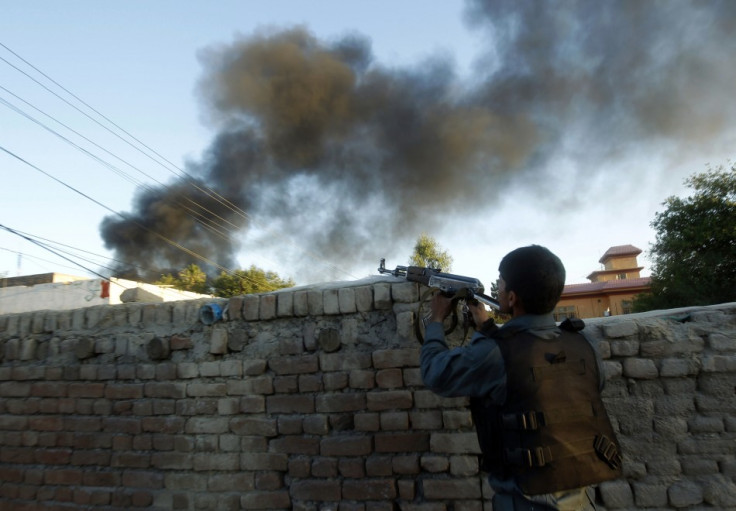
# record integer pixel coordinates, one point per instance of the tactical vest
(553, 432)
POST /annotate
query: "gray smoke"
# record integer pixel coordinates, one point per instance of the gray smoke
(344, 157)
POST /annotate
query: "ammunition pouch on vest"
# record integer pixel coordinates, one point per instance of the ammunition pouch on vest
(553, 432)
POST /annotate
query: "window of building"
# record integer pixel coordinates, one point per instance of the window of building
(627, 306)
(564, 312)
(621, 276)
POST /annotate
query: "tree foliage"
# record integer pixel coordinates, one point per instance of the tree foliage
(694, 253)
(252, 280)
(428, 253)
(238, 282)
(191, 278)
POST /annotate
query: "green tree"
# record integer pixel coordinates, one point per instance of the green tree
(694, 253)
(191, 278)
(428, 253)
(252, 280)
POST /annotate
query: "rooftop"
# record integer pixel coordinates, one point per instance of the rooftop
(619, 250)
(608, 285)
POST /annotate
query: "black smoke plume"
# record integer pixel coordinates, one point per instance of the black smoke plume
(335, 156)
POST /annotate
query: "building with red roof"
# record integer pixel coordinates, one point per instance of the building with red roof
(611, 290)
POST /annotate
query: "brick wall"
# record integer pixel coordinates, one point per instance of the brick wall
(311, 399)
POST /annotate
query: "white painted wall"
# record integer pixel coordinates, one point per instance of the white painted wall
(78, 294)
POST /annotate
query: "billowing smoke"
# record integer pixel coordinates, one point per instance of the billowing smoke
(344, 157)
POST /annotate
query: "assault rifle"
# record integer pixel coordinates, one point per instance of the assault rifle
(459, 287)
(451, 285)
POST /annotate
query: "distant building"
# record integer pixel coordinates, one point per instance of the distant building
(610, 292)
(56, 291)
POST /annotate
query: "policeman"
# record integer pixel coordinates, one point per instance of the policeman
(534, 390)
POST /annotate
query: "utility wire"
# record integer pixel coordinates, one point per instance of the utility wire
(52, 251)
(209, 192)
(207, 222)
(161, 236)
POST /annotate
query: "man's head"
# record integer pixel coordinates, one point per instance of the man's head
(536, 276)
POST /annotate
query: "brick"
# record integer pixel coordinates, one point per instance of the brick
(251, 307)
(405, 465)
(267, 307)
(428, 399)
(461, 466)
(333, 403)
(63, 477)
(295, 444)
(391, 421)
(401, 442)
(290, 404)
(264, 461)
(344, 361)
(299, 467)
(121, 425)
(15, 389)
(316, 425)
(242, 482)
(330, 302)
(285, 304)
(47, 423)
(218, 341)
(335, 381)
(180, 342)
(455, 443)
(346, 300)
(300, 303)
(362, 379)
(450, 489)
(640, 368)
(255, 385)
(48, 389)
(388, 400)
(407, 357)
(90, 390)
(351, 445)
(206, 389)
(620, 329)
(290, 425)
(124, 391)
(369, 489)
(82, 424)
(216, 461)
(294, 365)
(390, 378)
(13, 422)
(316, 490)
(254, 426)
(211, 425)
(378, 466)
(310, 383)
(53, 456)
(266, 500)
(324, 467)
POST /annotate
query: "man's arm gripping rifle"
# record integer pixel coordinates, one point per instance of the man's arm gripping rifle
(456, 286)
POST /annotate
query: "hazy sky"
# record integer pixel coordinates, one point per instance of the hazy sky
(340, 131)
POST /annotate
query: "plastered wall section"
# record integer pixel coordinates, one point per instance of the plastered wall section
(311, 399)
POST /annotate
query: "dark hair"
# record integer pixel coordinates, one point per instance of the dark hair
(536, 275)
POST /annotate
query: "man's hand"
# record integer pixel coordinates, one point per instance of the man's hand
(479, 313)
(441, 306)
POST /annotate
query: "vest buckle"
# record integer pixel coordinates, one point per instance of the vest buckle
(530, 458)
(525, 421)
(607, 451)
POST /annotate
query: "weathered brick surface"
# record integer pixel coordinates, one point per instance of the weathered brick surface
(313, 399)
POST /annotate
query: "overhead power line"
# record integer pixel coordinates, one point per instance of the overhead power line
(210, 221)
